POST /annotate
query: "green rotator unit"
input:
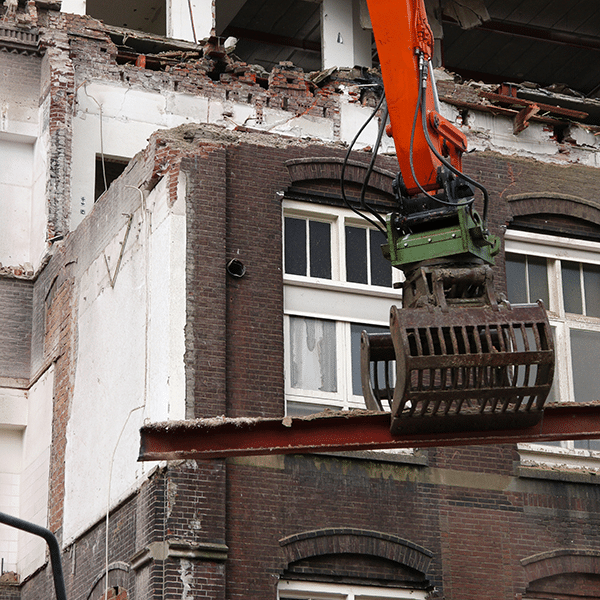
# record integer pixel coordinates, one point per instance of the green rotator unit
(463, 236)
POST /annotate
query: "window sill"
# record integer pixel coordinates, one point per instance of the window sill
(558, 464)
(564, 474)
(343, 286)
(404, 456)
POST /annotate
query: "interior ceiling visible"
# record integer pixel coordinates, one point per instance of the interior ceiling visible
(143, 15)
(271, 31)
(542, 41)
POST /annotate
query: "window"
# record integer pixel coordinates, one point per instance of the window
(565, 274)
(308, 250)
(337, 283)
(306, 590)
(106, 173)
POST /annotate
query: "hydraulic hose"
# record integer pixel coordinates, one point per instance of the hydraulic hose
(342, 181)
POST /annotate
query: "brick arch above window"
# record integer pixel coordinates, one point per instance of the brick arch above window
(118, 581)
(550, 203)
(561, 561)
(321, 542)
(304, 171)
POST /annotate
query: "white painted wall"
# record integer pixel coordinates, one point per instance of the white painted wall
(129, 117)
(130, 359)
(190, 20)
(16, 181)
(13, 419)
(25, 439)
(352, 118)
(11, 442)
(344, 43)
(75, 7)
(166, 342)
(35, 468)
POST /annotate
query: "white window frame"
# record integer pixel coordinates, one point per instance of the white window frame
(334, 299)
(309, 590)
(557, 249)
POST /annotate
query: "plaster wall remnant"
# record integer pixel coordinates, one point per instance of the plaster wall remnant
(102, 90)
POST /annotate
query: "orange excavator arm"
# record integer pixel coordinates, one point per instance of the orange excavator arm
(405, 46)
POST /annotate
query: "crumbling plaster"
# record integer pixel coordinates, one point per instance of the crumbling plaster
(116, 113)
(487, 131)
(91, 104)
(129, 353)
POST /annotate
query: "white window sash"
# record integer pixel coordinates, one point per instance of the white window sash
(558, 249)
(309, 590)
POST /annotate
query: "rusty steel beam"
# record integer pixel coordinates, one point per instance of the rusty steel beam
(557, 110)
(356, 430)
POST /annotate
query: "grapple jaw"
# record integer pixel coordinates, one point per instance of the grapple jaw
(464, 362)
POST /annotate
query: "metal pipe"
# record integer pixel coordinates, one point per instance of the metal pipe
(57, 572)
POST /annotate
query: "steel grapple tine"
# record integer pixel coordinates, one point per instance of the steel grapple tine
(473, 363)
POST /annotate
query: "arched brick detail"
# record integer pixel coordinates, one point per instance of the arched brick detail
(330, 168)
(554, 204)
(355, 541)
(118, 576)
(561, 561)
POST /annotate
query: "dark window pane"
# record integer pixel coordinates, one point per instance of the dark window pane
(356, 254)
(355, 332)
(538, 280)
(591, 285)
(295, 246)
(320, 249)
(381, 268)
(571, 284)
(515, 278)
(585, 357)
(112, 168)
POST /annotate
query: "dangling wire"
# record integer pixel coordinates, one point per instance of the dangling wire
(379, 218)
(363, 190)
(421, 105)
(451, 167)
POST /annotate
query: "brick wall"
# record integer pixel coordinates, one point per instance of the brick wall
(206, 300)
(15, 334)
(20, 76)
(464, 522)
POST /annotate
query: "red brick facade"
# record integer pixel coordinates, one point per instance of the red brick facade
(463, 521)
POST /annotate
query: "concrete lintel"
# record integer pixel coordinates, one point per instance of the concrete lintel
(178, 549)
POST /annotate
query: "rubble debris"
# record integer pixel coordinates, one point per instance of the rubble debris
(20, 18)
(24, 271)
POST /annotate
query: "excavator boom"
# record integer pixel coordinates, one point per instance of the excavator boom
(405, 47)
